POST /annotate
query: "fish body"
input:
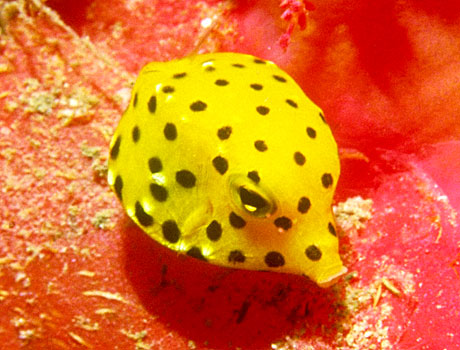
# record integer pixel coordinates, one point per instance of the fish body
(222, 157)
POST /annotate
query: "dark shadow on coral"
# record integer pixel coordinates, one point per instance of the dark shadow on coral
(363, 172)
(385, 48)
(226, 308)
(72, 12)
(448, 10)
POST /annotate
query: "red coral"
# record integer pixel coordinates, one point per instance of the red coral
(295, 13)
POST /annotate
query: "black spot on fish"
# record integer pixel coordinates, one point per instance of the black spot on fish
(283, 222)
(260, 145)
(331, 229)
(152, 104)
(179, 75)
(299, 158)
(158, 192)
(313, 253)
(311, 132)
(118, 186)
(236, 256)
(143, 218)
(256, 87)
(136, 134)
(262, 110)
(274, 259)
(220, 164)
(155, 165)
(198, 106)
(116, 148)
(185, 178)
(236, 221)
(224, 132)
(170, 131)
(279, 78)
(254, 176)
(170, 231)
(168, 89)
(221, 82)
(327, 180)
(195, 252)
(291, 103)
(303, 205)
(214, 231)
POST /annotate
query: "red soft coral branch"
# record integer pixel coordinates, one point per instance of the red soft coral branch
(295, 12)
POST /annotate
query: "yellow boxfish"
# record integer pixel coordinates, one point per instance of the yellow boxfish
(222, 157)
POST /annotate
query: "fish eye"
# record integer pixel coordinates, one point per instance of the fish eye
(252, 198)
(255, 203)
(252, 201)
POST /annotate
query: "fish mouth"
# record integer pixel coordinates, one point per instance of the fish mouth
(330, 280)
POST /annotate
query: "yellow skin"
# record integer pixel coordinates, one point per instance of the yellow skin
(248, 166)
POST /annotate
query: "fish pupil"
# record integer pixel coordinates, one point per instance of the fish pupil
(252, 201)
